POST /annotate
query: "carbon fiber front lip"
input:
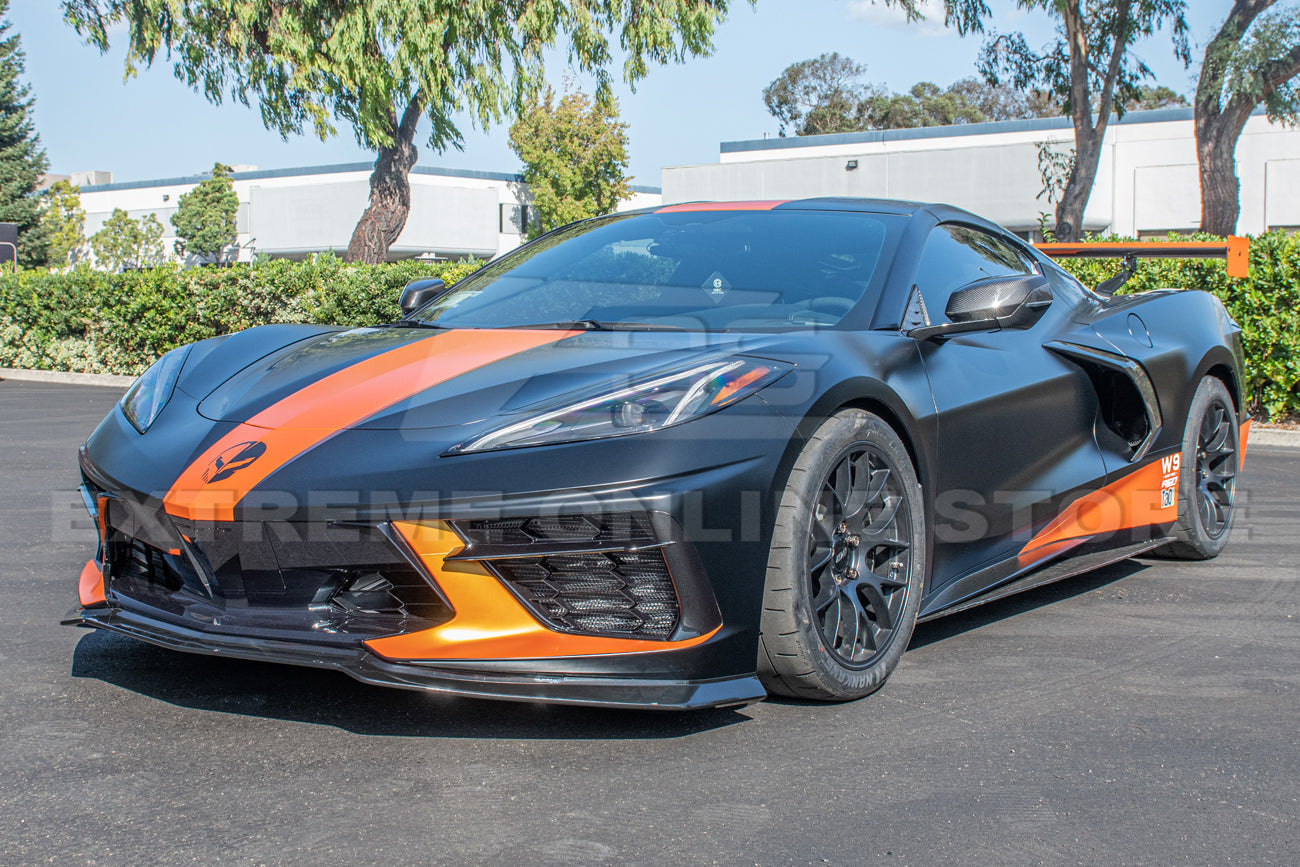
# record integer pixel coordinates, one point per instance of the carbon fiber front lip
(608, 692)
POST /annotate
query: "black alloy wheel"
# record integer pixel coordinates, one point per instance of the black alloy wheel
(1207, 481)
(847, 563)
(859, 556)
(1216, 468)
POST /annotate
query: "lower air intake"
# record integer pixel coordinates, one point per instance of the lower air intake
(389, 591)
(623, 593)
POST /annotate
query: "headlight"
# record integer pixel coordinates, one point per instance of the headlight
(150, 393)
(649, 404)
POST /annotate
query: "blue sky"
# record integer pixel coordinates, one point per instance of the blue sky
(153, 126)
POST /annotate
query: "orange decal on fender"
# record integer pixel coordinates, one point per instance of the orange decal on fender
(211, 486)
(1241, 442)
(1146, 496)
(490, 623)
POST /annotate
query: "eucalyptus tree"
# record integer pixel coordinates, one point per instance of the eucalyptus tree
(380, 67)
(1252, 60)
(1092, 70)
(1089, 67)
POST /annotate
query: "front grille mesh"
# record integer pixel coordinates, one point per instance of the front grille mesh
(390, 589)
(622, 592)
(336, 582)
(624, 589)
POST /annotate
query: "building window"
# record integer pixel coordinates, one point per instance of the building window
(514, 219)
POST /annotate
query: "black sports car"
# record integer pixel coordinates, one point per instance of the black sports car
(678, 457)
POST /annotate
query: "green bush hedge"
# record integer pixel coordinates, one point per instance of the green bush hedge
(93, 322)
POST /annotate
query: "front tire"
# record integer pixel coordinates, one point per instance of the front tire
(1207, 479)
(847, 564)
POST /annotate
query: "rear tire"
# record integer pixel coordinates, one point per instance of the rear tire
(1207, 478)
(847, 564)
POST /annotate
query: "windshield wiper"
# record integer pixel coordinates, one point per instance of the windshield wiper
(415, 323)
(601, 325)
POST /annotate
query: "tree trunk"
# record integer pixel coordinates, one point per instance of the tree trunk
(1218, 127)
(1078, 189)
(390, 192)
(1216, 145)
(1088, 136)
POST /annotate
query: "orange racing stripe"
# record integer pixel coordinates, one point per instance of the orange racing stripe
(308, 417)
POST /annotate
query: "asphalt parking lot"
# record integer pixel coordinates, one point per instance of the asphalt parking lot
(1142, 714)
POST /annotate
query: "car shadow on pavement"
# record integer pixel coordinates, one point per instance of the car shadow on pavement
(331, 698)
(1010, 606)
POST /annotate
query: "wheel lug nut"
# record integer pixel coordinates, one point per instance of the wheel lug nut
(851, 575)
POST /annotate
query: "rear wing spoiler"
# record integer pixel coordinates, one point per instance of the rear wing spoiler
(1235, 251)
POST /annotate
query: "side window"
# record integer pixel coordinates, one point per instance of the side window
(955, 255)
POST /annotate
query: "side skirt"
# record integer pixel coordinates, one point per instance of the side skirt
(1032, 577)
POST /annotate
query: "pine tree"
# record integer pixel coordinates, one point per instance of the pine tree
(205, 217)
(63, 221)
(22, 159)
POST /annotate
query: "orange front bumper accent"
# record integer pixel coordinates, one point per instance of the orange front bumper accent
(489, 622)
(90, 586)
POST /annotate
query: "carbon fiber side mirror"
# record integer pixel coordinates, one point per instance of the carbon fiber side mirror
(420, 292)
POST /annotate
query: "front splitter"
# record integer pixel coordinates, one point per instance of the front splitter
(361, 664)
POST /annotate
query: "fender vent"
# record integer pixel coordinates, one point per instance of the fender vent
(1127, 398)
(1121, 405)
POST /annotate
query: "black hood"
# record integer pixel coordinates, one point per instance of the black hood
(506, 384)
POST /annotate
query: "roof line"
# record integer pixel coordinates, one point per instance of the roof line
(1035, 124)
(303, 171)
(332, 169)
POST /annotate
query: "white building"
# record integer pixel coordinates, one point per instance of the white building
(1147, 182)
(296, 212)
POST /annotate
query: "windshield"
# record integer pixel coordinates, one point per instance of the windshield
(700, 271)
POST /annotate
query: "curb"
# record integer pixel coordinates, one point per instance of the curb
(60, 377)
(1273, 437)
